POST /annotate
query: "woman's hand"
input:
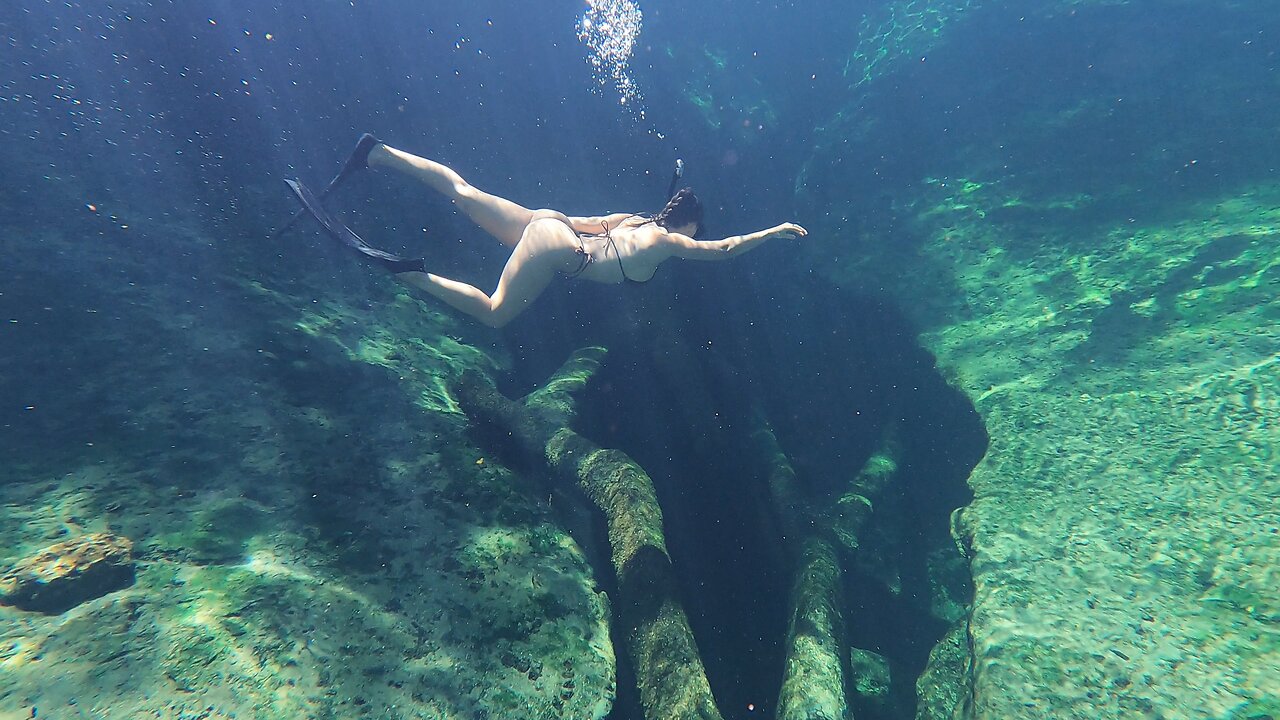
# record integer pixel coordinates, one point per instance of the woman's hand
(786, 231)
(689, 248)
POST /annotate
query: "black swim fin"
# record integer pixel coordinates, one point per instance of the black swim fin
(335, 229)
(357, 160)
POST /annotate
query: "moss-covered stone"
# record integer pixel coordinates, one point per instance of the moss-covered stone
(1103, 286)
(315, 535)
(65, 574)
(1120, 531)
(943, 688)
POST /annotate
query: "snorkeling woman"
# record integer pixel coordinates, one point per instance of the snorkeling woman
(615, 248)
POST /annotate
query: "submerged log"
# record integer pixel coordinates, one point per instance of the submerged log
(669, 672)
(814, 679)
(784, 490)
(813, 682)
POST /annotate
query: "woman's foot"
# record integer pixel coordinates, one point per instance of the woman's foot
(358, 160)
(416, 278)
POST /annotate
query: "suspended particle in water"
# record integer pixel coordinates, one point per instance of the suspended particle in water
(610, 29)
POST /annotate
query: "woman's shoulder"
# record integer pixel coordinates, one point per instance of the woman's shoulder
(635, 220)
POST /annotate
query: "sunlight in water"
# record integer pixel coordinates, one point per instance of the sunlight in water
(610, 28)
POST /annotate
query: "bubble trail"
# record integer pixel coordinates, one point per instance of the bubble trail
(610, 29)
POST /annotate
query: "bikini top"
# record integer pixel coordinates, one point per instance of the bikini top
(587, 258)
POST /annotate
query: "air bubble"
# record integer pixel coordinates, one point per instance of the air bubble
(610, 28)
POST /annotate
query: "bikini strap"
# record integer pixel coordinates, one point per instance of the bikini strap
(610, 243)
(584, 262)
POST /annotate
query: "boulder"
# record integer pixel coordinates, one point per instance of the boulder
(63, 575)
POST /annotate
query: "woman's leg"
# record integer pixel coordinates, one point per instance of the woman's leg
(546, 247)
(499, 217)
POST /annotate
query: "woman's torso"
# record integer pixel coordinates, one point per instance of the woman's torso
(631, 251)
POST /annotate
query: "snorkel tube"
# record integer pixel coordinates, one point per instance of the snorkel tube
(675, 179)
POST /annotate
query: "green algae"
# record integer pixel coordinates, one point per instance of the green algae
(410, 338)
(1109, 373)
(897, 30)
(728, 98)
(297, 556)
(1118, 338)
(1263, 708)
(220, 532)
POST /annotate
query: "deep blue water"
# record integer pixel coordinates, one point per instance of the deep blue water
(151, 88)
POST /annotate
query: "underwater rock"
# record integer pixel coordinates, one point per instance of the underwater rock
(1122, 358)
(63, 575)
(944, 685)
(871, 675)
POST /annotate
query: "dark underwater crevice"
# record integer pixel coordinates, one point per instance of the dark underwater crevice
(679, 393)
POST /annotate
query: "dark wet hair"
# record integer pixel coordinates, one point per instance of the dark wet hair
(684, 208)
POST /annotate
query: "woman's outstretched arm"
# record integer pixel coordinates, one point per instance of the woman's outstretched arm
(690, 249)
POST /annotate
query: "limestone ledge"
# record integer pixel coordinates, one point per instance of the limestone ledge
(1123, 535)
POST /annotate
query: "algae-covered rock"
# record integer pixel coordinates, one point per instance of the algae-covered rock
(1111, 312)
(869, 675)
(942, 688)
(301, 560)
(1122, 531)
(65, 574)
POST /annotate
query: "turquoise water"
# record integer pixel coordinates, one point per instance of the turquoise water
(994, 440)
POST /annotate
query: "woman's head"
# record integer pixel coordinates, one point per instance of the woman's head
(682, 212)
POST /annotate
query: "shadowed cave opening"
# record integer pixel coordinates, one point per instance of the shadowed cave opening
(681, 395)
